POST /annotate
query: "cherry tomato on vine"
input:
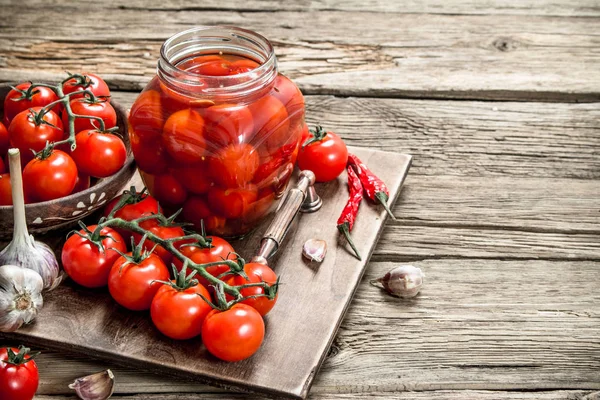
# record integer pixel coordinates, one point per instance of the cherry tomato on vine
(85, 81)
(30, 130)
(94, 108)
(5, 190)
(87, 264)
(50, 176)
(15, 101)
(138, 205)
(164, 232)
(146, 115)
(99, 154)
(235, 334)
(19, 376)
(220, 250)
(326, 155)
(232, 203)
(132, 281)
(179, 313)
(4, 140)
(256, 273)
(183, 136)
(235, 165)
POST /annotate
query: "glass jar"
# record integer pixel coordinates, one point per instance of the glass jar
(217, 131)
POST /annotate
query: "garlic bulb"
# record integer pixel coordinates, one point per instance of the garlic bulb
(403, 281)
(23, 250)
(20, 296)
(98, 386)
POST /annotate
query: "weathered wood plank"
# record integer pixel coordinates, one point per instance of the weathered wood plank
(478, 324)
(438, 394)
(581, 8)
(515, 57)
(469, 138)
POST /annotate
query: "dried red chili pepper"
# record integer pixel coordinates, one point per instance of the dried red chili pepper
(374, 187)
(346, 220)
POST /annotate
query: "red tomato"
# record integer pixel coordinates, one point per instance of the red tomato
(146, 116)
(235, 165)
(326, 158)
(17, 381)
(242, 66)
(150, 154)
(83, 182)
(164, 232)
(183, 136)
(100, 108)
(261, 207)
(99, 154)
(5, 190)
(256, 273)
(4, 139)
(271, 122)
(50, 178)
(232, 203)
(195, 179)
(133, 284)
(12, 106)
(27, 134)
(289, 94)
(220, 250)
(235, 334)
(139, 205)
(85, 263)
(168, 191)
(2, 166)
(179, 314)
(227, 124)
(195, 210)
(91, 82)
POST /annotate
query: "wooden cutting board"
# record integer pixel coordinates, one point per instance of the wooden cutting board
(299, 330)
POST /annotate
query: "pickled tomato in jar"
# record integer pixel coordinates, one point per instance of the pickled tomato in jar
(217, 131)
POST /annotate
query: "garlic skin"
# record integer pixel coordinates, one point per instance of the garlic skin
(20, 296)
(403, 281)
(97, 386)
(315, 250)
(23, 250)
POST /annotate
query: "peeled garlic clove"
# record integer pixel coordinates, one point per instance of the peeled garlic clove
(404, 281)
(97, 386)
(315, 250)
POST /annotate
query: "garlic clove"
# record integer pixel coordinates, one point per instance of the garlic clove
(403, 281)
(97, 386)
(315, 250)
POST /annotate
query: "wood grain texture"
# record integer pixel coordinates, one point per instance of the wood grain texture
(517, 325)
(439, 394)
(581, 8)
(514, 57)
(468, 138)
(87, 321)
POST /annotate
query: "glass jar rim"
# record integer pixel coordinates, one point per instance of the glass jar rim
(193, 38)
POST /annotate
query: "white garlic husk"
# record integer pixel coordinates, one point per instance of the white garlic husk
(97, 386)
(23, 250)
(403, 281)
(315, 250)
(20, 296)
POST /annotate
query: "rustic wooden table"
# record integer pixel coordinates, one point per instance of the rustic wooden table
(498, 103)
